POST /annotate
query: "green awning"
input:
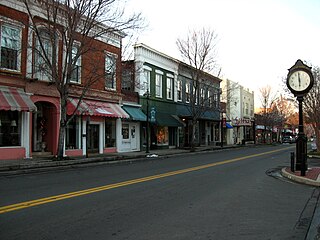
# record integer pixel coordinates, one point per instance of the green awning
(135, 113)
(165, 119)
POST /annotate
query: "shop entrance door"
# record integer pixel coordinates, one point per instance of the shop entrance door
(93, 138)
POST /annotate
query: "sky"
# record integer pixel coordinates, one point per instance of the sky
(258, 40)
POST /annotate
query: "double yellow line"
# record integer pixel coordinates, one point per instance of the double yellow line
(36, 202)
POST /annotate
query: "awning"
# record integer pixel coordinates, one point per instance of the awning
(96, 108)
(164, 119)
(135, 113)
(15, 99)
(228, 125)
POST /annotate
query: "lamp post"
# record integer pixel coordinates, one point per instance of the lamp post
(147, 130)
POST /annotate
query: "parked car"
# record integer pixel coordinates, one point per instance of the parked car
(288, 139)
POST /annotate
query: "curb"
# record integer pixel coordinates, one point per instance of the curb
(299, 179)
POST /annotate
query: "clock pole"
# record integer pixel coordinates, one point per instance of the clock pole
(301, 143)
(299, 81)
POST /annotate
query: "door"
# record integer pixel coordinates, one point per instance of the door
(93, 138)
(133, 137)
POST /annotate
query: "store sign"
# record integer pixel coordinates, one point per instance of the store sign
(153, 115)
(241, 122)
(224, 122)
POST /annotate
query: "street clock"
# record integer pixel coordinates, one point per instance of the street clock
(300, 79)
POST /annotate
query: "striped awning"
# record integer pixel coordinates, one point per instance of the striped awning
(15, 99)
(95, 108)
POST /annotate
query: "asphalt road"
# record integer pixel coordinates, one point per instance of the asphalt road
(229, 194)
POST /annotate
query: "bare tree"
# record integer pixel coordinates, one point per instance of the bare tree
(199, 50)
(267, 98)
(311, 105)
(74, 26)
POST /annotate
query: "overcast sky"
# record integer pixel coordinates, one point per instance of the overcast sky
(258, 39)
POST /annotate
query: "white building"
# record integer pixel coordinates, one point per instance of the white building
(239, 110)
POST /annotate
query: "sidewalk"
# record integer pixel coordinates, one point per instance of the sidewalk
(40, 164)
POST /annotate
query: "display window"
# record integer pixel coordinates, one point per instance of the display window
(110, 133)
(162, 136)
(10, 128)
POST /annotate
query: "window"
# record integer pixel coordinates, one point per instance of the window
(125, 131)
(42, 56)
(215, 100)
(76, 66)
(110, 133)
(179, 90)
(247, 108)
(10, 128)
(10, 47)
(146, 80)
(162, 136)
(73, 134)
(202, 97)
(187, 92)
(209, 96)
(110, 71)
(158, 85)
(169, 87)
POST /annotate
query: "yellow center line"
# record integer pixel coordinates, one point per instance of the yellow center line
(60, 197)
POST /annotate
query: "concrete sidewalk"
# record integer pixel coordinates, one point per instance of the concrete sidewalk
(41, 164)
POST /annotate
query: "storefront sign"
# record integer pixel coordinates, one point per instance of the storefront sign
(241, 122)
(153, 115)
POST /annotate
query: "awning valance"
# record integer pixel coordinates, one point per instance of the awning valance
(135, 113)
(96, 108)
(15, 99)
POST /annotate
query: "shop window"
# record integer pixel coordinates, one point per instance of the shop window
(10, 128)
(162, 136)
(125, 131)
(73, 131)
(10, 47)
(110, 133)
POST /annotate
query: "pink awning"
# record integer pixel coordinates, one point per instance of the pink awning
(15, 99)
(96, 108)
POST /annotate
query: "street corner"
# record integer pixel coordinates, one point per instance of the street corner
(312, 176)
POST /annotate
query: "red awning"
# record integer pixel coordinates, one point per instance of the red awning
(15, 99)
(96, 108)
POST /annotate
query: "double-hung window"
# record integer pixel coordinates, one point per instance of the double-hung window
(110, 71)
(159, 84)
(146, 80)
(179, 90)
(187, 92)
(75, 76)
(43, 57)
(169, 88)
(10, 47)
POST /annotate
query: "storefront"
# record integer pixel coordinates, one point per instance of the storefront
(131, 129)
(97, 127)
(15, 108)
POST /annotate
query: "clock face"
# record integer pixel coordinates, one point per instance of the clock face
(299, 81)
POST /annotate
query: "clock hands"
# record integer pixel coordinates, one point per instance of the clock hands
(299, 79)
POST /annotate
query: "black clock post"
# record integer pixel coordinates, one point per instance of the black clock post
(300, 81)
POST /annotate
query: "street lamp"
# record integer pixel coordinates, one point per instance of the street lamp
(147, 95)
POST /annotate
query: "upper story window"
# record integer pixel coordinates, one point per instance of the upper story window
(215, 100)
(76, 65)
(169, 88)
(179, 90)
(202, 97)
(10, 47)
(209, 96)
(247, 108)
(159, 76)
(146, 79)
(187, 92)
(110, 71)
(43, 57)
